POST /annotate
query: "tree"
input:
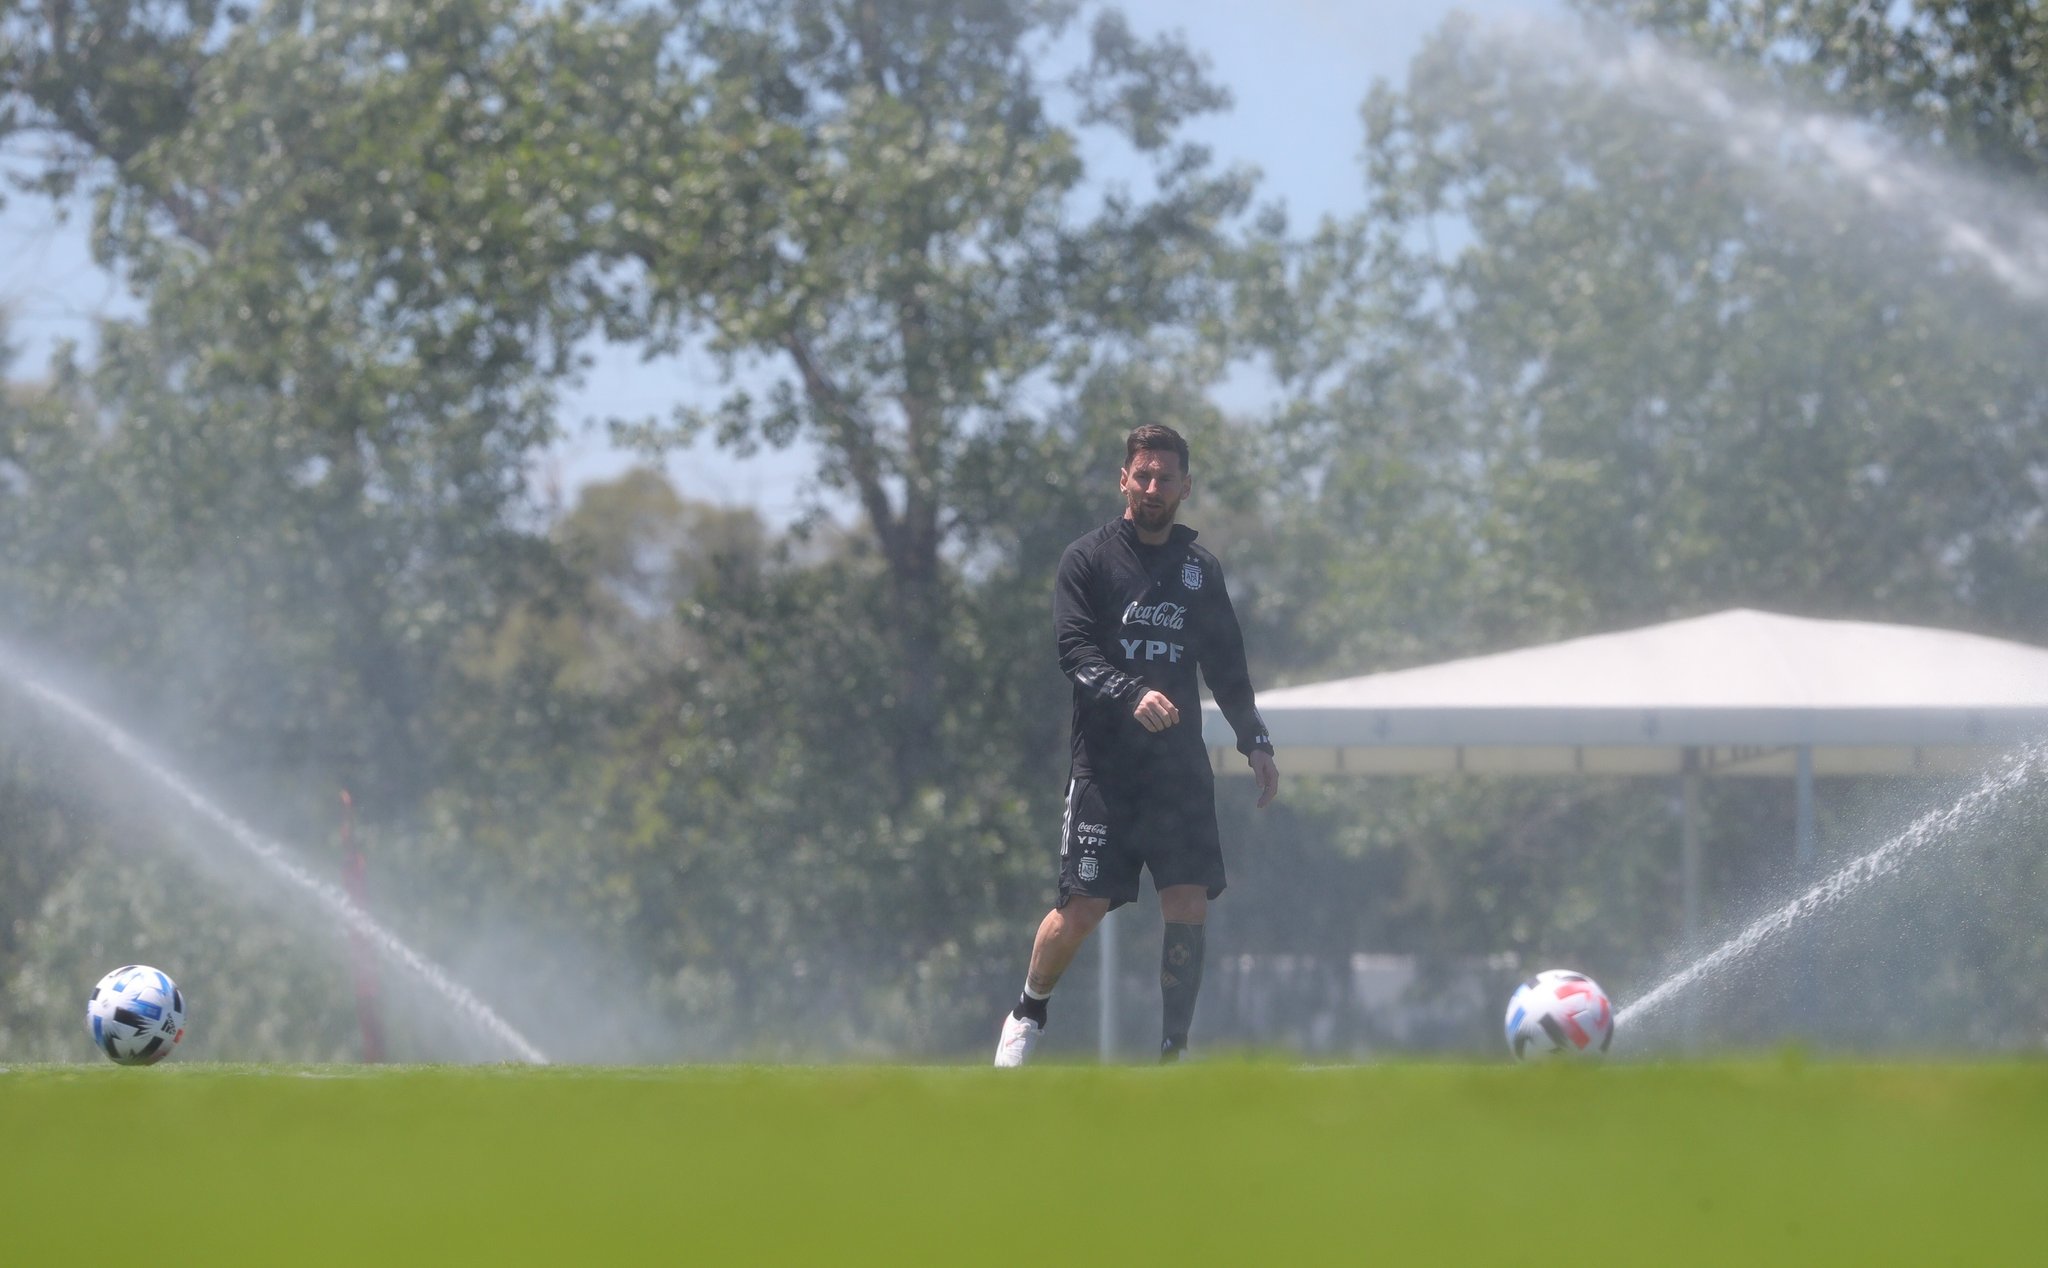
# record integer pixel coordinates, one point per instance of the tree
(1654, 378)
(313, 447)
(272, 511)
(877, 214)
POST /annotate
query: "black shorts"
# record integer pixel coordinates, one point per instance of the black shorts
(1114, 830)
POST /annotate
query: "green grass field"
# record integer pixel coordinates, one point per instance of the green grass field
(1777, 1161)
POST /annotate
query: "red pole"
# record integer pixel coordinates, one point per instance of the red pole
(354, 873)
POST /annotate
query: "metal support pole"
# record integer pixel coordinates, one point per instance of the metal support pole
(1804, 851)
(1689, 878)
(1806, 999)
(1105, 947)
(1689, 850)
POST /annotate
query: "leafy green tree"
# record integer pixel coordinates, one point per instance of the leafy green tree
(271, 512)
(355, 310)
(878, 215)
(1650, 382)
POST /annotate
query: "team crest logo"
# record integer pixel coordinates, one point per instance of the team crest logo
(1191, 575)
(1089, 868)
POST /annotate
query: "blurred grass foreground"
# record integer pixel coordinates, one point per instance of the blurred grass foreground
(1225, 1162)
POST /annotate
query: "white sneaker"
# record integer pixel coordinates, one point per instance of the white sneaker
(1020, 1036)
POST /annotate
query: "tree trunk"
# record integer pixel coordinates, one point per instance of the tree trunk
(918, 638)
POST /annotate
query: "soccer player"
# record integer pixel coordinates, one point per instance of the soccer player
(1137, 606)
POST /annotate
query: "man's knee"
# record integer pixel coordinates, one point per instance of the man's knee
(1184, 904)
(1078, 916)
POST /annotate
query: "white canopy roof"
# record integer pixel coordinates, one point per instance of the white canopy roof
(1739, 690)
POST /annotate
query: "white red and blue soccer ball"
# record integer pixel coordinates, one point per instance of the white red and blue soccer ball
(136, 1015)
(1559, 1013)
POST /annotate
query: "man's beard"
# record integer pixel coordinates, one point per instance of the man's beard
(1152, 519)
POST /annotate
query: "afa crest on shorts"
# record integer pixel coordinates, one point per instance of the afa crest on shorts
(1089, 868)
(1191, 575)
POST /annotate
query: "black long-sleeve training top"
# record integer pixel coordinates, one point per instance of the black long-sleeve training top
(1131, 618)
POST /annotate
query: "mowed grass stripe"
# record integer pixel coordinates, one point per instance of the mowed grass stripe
(1218, 1163)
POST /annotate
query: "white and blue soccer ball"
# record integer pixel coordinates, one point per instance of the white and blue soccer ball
(136, 1015)
(1559, 1013)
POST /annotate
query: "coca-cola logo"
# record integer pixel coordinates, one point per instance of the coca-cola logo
(1168, 616)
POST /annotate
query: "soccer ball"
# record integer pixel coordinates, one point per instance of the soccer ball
(1559, 1013)
(136, 1015)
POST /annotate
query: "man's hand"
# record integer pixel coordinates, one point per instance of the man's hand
(1155, 712)
(1267, 772)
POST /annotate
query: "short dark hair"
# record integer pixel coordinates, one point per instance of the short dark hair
(1156, 436)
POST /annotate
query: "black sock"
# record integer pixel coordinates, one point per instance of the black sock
(1029, 1009)
(1180, 980)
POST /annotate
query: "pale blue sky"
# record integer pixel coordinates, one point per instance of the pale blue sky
(1297, 68)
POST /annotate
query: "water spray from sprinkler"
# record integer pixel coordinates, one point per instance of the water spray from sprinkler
(272, 856)
(2017, 770)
